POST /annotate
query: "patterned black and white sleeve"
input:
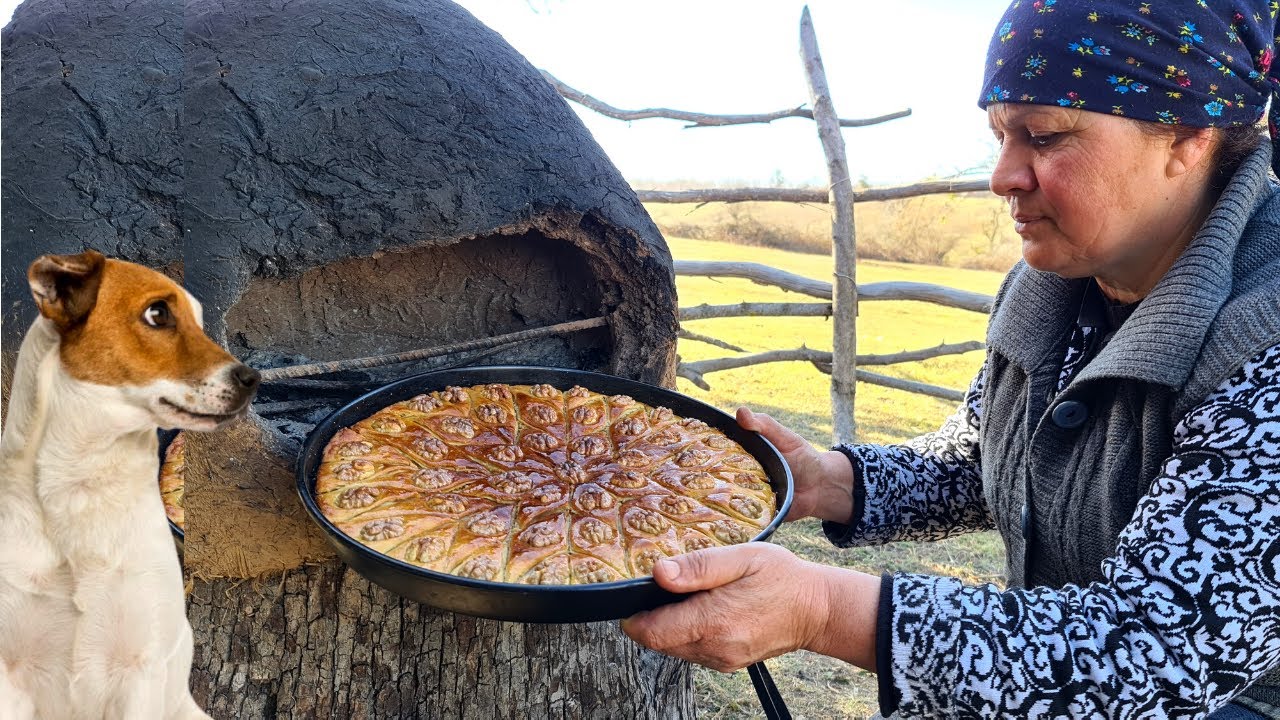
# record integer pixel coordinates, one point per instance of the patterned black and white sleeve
(1188, 616)
(926, 489)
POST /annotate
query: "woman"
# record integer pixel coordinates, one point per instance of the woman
(1123, 434)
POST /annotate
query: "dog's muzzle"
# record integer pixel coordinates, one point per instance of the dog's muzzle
(245, 381)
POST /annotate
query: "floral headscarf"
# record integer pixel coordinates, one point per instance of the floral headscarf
(1200, 63)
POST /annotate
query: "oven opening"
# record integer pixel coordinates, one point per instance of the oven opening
(404, 300)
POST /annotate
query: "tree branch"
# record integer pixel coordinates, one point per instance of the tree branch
(703, 367)
(697, 337)
(927, 292)
(757, 273)
(822, 358)
(922, 354)
(705, 311)
(765, 275)
(692, 376)
(807, 195)
(694, 372)
(920, 388)
(699, 119)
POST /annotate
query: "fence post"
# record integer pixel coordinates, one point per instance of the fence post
(844, 300)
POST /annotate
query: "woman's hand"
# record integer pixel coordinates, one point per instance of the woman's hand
(823, 480)
(758, 601)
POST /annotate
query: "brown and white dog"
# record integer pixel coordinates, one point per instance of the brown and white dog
(92, 617)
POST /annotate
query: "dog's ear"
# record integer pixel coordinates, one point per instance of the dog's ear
(66, 286)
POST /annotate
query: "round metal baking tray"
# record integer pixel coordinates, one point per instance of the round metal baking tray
(510, 601)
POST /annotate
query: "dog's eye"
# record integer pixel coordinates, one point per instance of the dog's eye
(157, 315)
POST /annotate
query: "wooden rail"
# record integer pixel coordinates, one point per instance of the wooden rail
(685, 334)
(746, 309)
(696, 119)
(757, 273)
(892, 290)
(695, 376)
(808, 195)
(822, 357)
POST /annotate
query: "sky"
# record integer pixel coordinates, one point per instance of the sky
(742, 56)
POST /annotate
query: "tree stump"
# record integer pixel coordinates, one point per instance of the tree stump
(321, 642)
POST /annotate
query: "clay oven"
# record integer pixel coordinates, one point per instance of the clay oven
(367, 178)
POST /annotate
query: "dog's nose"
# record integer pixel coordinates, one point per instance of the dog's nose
(246, 377)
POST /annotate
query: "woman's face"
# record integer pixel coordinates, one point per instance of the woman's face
(1091, 194)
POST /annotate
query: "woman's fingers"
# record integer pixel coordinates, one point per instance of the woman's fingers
(748, 602)
(706, 569)
(694, 630)
(748, 419)
(669, 627)
(808, 466)
(787, 441)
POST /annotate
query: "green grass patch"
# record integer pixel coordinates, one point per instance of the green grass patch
(798, 395)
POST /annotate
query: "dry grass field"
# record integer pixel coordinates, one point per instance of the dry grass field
(966, 231)
(797, 394)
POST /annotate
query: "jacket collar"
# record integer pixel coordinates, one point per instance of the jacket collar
(1161, 340)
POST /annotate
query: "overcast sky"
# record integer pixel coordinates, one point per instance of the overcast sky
(742, 56)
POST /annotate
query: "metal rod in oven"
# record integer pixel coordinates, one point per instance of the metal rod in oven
(296, 371)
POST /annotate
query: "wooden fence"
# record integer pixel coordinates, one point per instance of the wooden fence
(842, 293)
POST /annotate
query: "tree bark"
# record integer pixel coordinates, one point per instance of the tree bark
(322, 642)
